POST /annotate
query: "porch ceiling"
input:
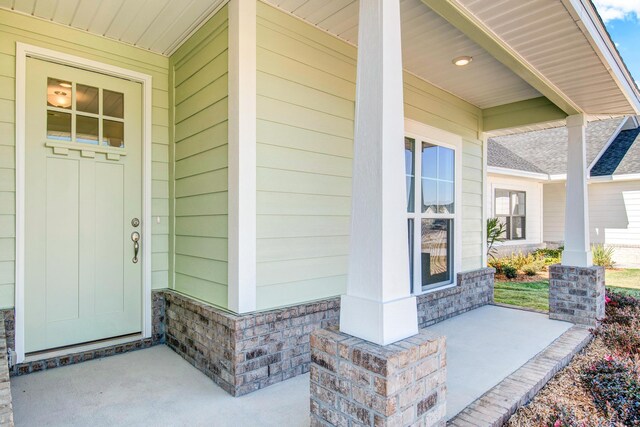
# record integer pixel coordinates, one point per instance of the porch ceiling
(429, 45)
(156, 25)
(521, 50)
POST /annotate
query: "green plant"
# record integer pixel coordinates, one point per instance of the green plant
(620, 329)
(495, 233)
(548, 252)
(533, 268)
(615, 390)
(618, 300)
(519, 260)
(563, 417)
(510, 271)
(497, 264)
(549, 256)
(603, 255)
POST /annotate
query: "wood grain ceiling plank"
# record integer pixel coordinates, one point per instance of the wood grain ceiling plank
(64, 11)
(45, 8)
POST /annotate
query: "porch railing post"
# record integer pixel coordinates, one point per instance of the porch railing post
(577, 250)
(378, 306)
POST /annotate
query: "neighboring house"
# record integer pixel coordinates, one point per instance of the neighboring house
(216, 174)
(526, 178)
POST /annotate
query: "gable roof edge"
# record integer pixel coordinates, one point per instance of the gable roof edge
(604, 149)
(517, 173)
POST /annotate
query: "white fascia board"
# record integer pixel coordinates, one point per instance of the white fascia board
(520, 174)
(623, 124)
(604, 48)
(558, 177)
(616, 178)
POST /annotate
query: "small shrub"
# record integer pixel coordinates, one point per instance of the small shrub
(549, 256)
(618, 332)
(510, 271)
(563, 417)
(497, 264)
(615, 390)
(519, 260)
(533, 268)
(619, 300)
(620, 329)
(602, 255)
(550, 260)
(549, 253)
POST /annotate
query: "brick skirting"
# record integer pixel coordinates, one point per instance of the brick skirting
(244, 353)
(6, 408)
(473, 289)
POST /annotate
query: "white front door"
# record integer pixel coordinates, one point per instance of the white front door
(83, 201)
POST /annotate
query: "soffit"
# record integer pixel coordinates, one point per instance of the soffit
(429, 43)
(547, 36)
(543, 32)
(155, 25)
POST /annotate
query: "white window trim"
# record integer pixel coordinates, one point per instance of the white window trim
(511, 189)
(432, 135)
(24, 51)
(529, 215)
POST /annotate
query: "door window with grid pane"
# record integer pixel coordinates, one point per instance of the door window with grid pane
(84, 114)
(431, 205)
(511, 209)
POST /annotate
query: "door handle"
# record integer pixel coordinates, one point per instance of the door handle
(135, 237)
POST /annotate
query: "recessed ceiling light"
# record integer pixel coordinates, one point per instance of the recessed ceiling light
(65, 84)
(461, 61)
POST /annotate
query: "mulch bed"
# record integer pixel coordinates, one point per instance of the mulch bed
(574, 399)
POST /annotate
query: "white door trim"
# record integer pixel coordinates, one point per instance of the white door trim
(23, 51)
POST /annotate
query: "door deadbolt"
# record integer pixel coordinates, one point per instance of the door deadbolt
(135, 222)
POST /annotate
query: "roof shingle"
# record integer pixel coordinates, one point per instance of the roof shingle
(546, 149)
(622, 157)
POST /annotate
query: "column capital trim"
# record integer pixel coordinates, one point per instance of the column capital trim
(379, 322)
(577, 120)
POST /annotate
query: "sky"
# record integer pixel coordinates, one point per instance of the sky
(622, 19)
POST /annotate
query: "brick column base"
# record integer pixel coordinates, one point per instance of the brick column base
(576, 294)
(355, 382)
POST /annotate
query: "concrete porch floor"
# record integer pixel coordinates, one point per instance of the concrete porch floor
(157, 387)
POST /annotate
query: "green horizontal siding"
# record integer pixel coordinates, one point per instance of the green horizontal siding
(20, 28)
(305, 113)
(200, 88)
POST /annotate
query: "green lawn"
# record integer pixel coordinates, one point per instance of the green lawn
(531, 295)
(625, 278)
(536, 294)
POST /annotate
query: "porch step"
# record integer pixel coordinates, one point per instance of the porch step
(497, 405)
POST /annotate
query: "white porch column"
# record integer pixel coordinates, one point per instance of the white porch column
(242, 157)
(378, 306)
(577, 250)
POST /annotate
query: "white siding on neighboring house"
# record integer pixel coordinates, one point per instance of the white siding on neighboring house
(553, 208)
(614, 217)
(614, 210)
(533, 203)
